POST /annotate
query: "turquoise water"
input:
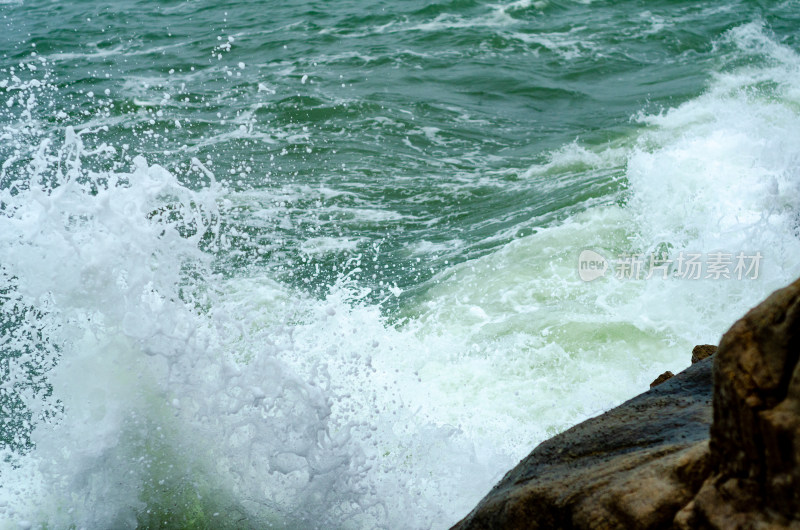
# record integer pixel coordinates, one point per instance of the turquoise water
(316, 264)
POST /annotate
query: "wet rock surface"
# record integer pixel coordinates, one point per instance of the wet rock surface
(661, 378)
(703, 351)
(755, 436)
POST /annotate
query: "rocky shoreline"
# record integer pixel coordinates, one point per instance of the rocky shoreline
(716, 446)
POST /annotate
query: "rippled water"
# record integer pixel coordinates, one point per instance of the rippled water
(316, 264)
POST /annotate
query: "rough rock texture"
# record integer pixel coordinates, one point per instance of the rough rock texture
(661, 378)
(652, 463)
(755, 438)
(702, 351)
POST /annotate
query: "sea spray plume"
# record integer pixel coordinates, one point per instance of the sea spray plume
(293, 426)
(126, 245)
(175, 403)
(28, 354)
(88, 255)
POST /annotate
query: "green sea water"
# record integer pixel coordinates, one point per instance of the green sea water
(316, 264)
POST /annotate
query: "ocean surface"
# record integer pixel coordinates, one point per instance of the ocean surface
(316, 264)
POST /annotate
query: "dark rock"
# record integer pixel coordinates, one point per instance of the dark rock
(661, 378)
(652, 462)
(702, 351)
(632, 467)
(755, 439)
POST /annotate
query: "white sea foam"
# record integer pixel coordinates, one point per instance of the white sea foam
(570, 45)
(323, 245)
(718, 173)
(277, 407)
(498, 16)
